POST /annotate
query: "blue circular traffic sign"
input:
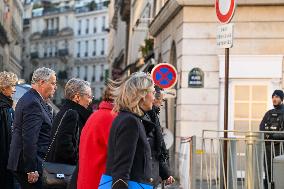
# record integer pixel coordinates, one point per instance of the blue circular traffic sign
(164, 75)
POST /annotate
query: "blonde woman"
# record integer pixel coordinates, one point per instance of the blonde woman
(129, 152)
(8, 82)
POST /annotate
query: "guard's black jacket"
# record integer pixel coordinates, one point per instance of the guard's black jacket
(265, 126)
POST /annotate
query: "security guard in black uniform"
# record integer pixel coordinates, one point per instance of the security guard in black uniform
(273, 120)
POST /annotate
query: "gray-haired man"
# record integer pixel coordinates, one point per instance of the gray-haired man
(32, 127)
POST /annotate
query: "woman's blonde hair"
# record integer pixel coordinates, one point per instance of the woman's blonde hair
(129, 94)
(7, 79)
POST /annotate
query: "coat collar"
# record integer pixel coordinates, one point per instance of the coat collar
(5, 101)
(84, 113)
(43, 103)
(106, 105)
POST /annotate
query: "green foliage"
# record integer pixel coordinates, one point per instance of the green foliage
(37, 5)
(147, 48)
(92, 5)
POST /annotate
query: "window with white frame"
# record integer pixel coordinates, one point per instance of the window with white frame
(103, 47)
(56, 48)
(50, 48)
(103, 23)
(79, 27)
(78, 48)
(94, 73)
(102, 73)
(95, 25)
(87, 26)
(86, 48)
(94, 47)
(78, 71)
(86, 73)
(250, 104)
(45, 49)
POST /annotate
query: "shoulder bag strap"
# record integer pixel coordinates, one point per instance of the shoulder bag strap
(54, 137)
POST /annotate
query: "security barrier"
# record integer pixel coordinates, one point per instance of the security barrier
(241, 161)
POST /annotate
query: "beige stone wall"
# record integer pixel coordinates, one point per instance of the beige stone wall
(258, 30)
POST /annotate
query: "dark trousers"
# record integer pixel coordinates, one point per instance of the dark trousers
(270, 155)
(23, 180)
(6, 179)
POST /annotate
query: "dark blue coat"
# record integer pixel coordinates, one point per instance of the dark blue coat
(31, 135)
(6, 120)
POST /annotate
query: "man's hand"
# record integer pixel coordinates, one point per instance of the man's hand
(170, 180)
(33, 177)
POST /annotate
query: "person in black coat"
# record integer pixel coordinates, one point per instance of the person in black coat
(8, 82)
(129, 152)
(73, 116)
(273, 120)
(155, 137)
(31, 130)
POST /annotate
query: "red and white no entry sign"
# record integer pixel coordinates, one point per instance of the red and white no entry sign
(225, 10)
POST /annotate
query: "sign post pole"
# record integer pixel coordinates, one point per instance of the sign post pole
(227, 61)
(225, 10)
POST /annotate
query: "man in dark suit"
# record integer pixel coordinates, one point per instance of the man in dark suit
(32, 127)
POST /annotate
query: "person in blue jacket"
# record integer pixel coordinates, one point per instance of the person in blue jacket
(8, 82)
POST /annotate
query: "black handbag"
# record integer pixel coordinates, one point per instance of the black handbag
(56, 175)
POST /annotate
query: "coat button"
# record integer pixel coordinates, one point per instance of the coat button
(151, 179)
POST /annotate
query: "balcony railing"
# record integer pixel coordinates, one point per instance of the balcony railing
(34, 55)
(55, 10)
(63, 52)
(93, 7)
(47, 33)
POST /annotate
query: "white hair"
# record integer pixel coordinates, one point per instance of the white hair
(76, 86)
(42, 74)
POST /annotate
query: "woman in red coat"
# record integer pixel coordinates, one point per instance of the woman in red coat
(93, 144)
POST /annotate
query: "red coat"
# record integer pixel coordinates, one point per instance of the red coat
(93, 147)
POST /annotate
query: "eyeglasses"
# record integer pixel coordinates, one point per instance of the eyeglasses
(89, 96)
(140, 74)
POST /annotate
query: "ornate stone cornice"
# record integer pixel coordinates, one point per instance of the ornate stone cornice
(172, 7)
(166, 14)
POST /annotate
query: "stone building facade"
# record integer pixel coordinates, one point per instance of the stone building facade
(185, 36)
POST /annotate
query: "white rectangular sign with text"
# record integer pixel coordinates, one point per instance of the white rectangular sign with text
(225, 36)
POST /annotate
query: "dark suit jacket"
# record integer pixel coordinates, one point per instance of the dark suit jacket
(31, 135)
